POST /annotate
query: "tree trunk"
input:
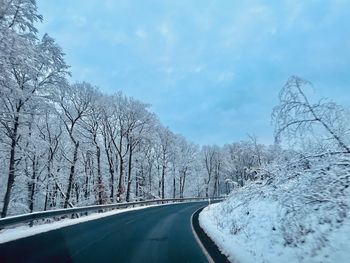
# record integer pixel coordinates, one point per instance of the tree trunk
(110, 169)
(53, 199)
(71, 175)
(129, 174)
(180, 185)
(136, 186)
(46, 196)
(76, 186)
(99, 175)
(120, 183)
(183, 185)
(219, 190)
(150, 178)
(215, 186)
(159, 187)
(11, 175)
(111, 173)
(163, 177)
(86, 194)
(174, 186)
(49, 174)
(31, 186)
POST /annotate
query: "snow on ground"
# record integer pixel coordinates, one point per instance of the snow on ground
(299, 215)
(18, 232)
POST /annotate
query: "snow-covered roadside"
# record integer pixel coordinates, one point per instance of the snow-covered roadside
(294, 217)
(235, 241)
(10, 234)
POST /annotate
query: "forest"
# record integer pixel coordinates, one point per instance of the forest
(66, 144)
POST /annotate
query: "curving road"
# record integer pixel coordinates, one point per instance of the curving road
(156, 234)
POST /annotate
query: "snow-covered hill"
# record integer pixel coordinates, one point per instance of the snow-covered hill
(299, 213)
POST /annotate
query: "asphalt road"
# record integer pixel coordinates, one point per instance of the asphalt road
(157, 234)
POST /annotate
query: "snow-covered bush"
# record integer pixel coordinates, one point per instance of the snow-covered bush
(298, 208)
(298, 214)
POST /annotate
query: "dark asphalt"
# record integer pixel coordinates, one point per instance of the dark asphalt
(209, 245)
(157, 234)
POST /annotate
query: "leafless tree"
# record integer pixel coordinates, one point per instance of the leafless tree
(296, 115)
(75, 103)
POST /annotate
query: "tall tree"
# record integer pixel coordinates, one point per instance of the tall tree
(30, 69)
(209, 160)
(165, 150)
(140, 123)
(75, 103)
(296, 115)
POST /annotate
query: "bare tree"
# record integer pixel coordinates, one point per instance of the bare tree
(165, 151)
(29, 75)
(109, 130)
(296, 115)
(140, 123)
(75, 103)
(187, 154)
(91, 125)
(209, 159)
(50, 132)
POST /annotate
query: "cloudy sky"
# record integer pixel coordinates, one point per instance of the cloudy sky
(211, 69)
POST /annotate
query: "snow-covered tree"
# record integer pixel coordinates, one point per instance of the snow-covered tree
(30, 69)
(297, 117)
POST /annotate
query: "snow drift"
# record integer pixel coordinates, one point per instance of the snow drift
(299, 212)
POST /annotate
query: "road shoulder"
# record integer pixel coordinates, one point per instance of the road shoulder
(208, 246)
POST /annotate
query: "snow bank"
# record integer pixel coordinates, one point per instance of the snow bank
(297, 215)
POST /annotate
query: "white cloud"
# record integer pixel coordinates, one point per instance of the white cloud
(79, 21)
(83, 73)
(167, 33)
(167, 69)
(251, 22)
(112, 4)
(199, 68)
(140, 33)
(295, 11)
(118, 38)
(226, 77)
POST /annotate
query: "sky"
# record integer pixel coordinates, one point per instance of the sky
(211, 70)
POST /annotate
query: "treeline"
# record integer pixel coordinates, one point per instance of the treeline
(65, 145)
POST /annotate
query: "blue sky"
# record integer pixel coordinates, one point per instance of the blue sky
(212, 70)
